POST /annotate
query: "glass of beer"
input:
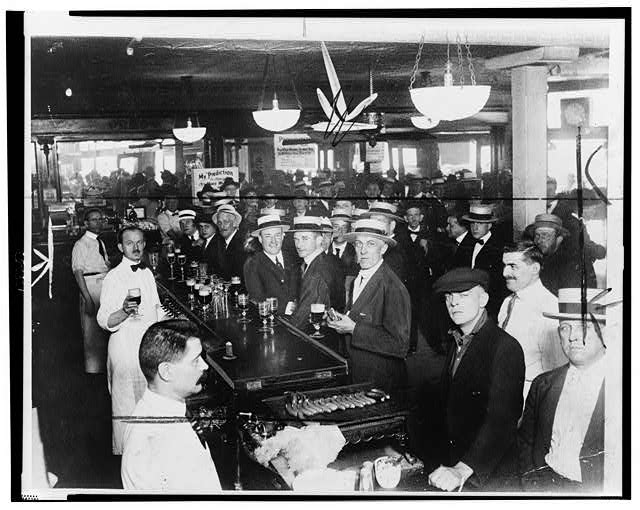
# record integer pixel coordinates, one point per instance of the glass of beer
(133, 296)
(315, 317)
(191, 283)
(204, 298)
(154, 260)
(243, 305)
(182, 260)
(171, 259)
(202, 270)
(273, 309)
(193, 269)
(264, 309)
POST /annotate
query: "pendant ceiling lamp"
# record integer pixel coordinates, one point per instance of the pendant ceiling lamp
(450, 101)
(188, 133)
(276, 119)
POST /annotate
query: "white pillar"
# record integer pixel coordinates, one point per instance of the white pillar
(529, 124)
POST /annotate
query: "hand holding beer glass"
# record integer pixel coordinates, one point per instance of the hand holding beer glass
(134, 299)
(315, 317)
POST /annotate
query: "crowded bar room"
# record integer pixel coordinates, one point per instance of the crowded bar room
(302, 254)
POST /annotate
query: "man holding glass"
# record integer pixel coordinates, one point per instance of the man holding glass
(128, 306)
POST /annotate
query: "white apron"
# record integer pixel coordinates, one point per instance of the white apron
(94, 337)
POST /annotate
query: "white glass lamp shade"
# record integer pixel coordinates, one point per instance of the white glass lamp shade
(189, 134)
(276, 119)
(424, 122)
(450, 102)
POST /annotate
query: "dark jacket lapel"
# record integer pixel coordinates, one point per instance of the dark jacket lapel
(370, 289)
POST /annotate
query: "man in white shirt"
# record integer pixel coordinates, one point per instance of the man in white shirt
(90, 264)
(521, 313)
(127, 321)
(561, 438)
(162, 451)
(168, 220)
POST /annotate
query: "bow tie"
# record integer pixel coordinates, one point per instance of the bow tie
(135, 267)
(480, 242)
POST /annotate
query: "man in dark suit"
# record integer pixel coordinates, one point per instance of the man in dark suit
(188, 239)
(481, 389)
(207, 230)
(338, 294)
(271, 272)
(316, 277)
(341, 249)
(463, 242)
(322, 206)
(229, 244)
(561, 437)
(379, 313)
(487, 253)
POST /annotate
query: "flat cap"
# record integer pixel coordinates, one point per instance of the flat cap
(461, 279)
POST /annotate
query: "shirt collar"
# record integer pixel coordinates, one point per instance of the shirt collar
(368, 273)
(164, 406)
(461, 237)
(486, 237)
(128, 262)
(339, 247)
(411, 231)
(531, 291)
(230, 238)
(91, 235)
(275, 258)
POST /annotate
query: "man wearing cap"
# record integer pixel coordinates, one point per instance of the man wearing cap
(188, 241)
(395, 255)
(271, 272)
(378, 315)
(481, 389)
(561, 437)
(521, 313)
(90, 264)
(207, 231)
(229, 245)
(316, 278)
(487, 252)
(562, 267)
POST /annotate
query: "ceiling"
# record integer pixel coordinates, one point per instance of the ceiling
(228, 75)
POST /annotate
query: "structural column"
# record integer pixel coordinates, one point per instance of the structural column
(529, 107)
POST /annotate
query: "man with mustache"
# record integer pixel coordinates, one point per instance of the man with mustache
(125, 379)
(162, 451)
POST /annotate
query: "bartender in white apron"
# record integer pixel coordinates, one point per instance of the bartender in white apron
(90, 264)
(127, 320)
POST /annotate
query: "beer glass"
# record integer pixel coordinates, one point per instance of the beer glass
(133, 296)
(243, 304)
(202, 270)
(171, 259)
(204, 298)
(190, 285)
(264, 309)
(154, 260)
(273, 309)
(182, 260)
(315, 317)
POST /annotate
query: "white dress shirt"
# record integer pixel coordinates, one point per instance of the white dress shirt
(363, 278)
(413, 233)
(86, 255)
(573, 415)
(276, 258)
(536, 334)
(478, 247)
(165, 455)
(339, 247)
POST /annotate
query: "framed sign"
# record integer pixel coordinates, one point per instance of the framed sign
(213, 176)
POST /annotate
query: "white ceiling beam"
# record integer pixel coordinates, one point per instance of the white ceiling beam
(544, 55)
(591, 33)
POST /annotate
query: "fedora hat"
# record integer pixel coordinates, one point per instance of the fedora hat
(548, 221)
(383, 209)
(570, 305)
(306, 224)
(372, 228)
(269, 221)
(226, 208)
(480, 213)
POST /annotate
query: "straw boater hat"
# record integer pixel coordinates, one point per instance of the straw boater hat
(369, 227)
(548, 221)
(187, 214)
(358, 213)
(384, 209)
(570, 305)
(278, 212)
(306, 224)
(480, 213)
(226, 208)
(269, 221)
(326, 224)
(338, 214)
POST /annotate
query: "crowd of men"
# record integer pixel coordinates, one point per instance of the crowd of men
(521, 391)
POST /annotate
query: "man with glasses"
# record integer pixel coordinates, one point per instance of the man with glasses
(561, 438)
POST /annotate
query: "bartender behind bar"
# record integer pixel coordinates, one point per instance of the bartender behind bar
(90, 264)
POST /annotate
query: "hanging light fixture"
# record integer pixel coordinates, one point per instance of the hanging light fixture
(189, 133)
(449, 102)
(276, 120)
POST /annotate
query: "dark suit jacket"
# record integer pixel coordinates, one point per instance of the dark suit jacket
(229, 261)
(396, 259)
(534, 436)
(186, 245)
(265, 279)
(490, 259)
(315, 287)
(337, 288)
(380, 340)
(482, 404)
(463, 253)
(416, 261)
(348, 259)
(207, 254)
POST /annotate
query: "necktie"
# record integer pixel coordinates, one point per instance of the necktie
(280, 266)
(196, 426)
(512, 301)
(135, 267)
(336, 252)
(303, 268)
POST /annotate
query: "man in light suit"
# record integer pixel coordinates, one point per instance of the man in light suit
(561, 437)
(271, 272)
(379, 317)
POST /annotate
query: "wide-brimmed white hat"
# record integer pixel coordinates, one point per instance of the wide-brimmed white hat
(480, 213)
(226, 209)
(269, 221)
(570, 305)
(372, 228)
(383, 209)
(338, 214)
(306, 224)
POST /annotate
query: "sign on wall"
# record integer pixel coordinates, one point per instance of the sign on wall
(213, 176)
(292, 157)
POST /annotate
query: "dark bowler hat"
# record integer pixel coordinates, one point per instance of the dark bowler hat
(461, 279)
